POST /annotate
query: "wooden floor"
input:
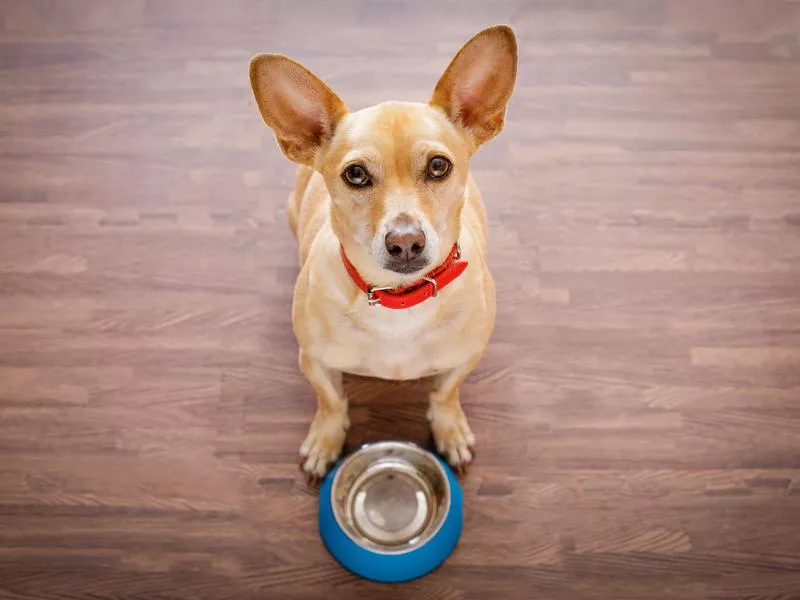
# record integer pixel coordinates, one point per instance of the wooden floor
(637, 413)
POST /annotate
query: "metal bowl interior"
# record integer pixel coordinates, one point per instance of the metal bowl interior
(390, 497)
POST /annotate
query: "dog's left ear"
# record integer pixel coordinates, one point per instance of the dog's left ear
(296, 104)
(477, 84)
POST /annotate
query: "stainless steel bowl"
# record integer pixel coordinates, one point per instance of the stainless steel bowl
(390, 497)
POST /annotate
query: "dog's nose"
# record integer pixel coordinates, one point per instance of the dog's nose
(406, 240)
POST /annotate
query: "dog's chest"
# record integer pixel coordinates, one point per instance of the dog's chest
(399, 344)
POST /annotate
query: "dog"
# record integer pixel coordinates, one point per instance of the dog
(391, 228)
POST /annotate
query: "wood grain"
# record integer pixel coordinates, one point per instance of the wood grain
(638, 410)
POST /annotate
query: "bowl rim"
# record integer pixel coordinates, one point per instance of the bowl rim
(440, 470)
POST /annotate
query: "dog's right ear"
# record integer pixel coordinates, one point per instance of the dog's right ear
(296, 104)
(477, 85)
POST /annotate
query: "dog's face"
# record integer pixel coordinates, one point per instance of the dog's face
(396, 172)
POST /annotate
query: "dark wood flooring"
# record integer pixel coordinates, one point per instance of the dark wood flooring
(637, 413)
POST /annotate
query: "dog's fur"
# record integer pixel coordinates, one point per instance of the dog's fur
(336, 329)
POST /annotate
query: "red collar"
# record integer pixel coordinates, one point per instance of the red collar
(411, 295)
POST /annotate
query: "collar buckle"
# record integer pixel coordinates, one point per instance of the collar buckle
(372, 299)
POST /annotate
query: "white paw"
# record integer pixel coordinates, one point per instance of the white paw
(454, 439)
(323, 444)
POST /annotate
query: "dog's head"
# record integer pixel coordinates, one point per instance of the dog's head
(396, 172)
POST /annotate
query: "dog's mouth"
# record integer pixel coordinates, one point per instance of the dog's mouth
(406, 267)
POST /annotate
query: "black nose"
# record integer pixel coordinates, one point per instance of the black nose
(406, 241)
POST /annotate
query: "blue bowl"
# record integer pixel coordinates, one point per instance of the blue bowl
(390, 512)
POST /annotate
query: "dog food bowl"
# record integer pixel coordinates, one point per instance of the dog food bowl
(390, 512)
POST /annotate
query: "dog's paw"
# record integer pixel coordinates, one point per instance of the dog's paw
(323, 444)
(453, 437)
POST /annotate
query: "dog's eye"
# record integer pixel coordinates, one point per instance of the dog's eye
(439, 167)
(356, 176)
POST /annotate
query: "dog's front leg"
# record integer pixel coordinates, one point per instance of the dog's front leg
(454, 438)
(326, 435)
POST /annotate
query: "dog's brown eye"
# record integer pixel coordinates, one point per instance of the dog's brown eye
(356, 176)
(439, 167)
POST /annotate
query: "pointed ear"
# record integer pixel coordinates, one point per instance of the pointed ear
(296, 104)
(475, 88)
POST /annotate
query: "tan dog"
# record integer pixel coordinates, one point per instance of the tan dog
(387, 217)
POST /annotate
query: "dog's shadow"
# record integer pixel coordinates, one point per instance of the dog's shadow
(387, 410)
